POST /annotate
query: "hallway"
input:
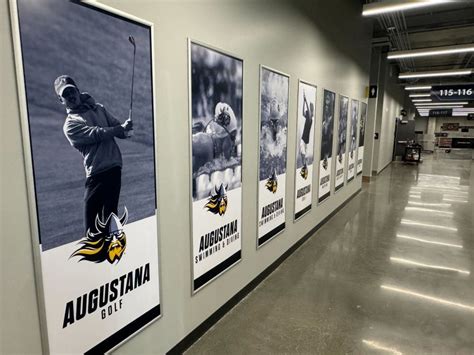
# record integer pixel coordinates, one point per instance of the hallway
(389, 274)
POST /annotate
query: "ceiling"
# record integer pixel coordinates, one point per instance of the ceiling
(441, 25)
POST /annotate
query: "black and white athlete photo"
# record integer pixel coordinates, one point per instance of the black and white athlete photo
(92, 131)
(216, 80)
(305, 128)
(327, 128)
(88, 80)
(273, 123)
(341, 141)
(304, 148)
(327, 125)
(360, 150)
(353, 140)
(274, 96)
(103, 94)
(216, 84)
(342, 128)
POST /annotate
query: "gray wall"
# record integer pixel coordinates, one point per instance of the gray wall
(421, 124)
(327, 43)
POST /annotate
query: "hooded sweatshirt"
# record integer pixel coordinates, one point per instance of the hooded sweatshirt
(91, 130)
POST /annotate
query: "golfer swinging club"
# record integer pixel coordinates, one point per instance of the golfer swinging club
(92, 130)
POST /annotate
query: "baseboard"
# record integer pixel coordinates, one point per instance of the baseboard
(201, 329)
(385, 167)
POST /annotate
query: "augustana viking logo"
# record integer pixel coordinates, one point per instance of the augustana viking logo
(272, 183)
(108, 242)
(217, 202)
(304, 171)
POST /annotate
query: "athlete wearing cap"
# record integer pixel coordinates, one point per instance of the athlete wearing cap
(91, 129)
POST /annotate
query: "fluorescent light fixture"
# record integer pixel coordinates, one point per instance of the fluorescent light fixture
(419, 95)
(428, 297)
(443, 103)
(381, 347)
(423, 52)
(383, 7)
(428, 241)
(436, 73)
(428, 225)
(428, 266)
(435, 107)
(414, 87)
(421, 100)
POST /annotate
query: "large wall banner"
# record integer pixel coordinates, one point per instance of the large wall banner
(360, 152)
(274, 92)
(86, 81)
(353, 140)
(325, 162)
(341, 141)
(216, 149)
(304, 148)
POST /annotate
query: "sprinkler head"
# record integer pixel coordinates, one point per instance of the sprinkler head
(131, 40)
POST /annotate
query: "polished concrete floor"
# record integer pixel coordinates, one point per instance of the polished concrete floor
(391, 273)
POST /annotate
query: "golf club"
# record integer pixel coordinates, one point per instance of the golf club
(131, 39)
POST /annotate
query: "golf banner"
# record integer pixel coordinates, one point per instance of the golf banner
(304, 148)
(352, 140)
(90, 169)
(216, 82)
(360, 151)
(274, 96)
(325, 162)
(341, 141)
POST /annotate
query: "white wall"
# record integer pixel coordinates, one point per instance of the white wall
(388, 110)
(324, 42)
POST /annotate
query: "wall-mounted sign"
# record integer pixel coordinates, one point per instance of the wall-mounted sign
(216, 135)
(372, 91)
(327, 130)
(441, 112)
(274, 101)
(341, 141)
(93, 186)
(304, 148)
(450, 126)
(352, 140)
(453, 92)
(360, 151)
